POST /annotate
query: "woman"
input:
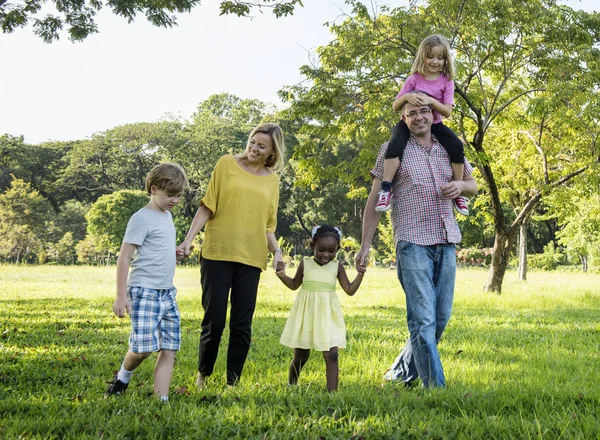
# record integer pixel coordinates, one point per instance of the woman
(239, 210)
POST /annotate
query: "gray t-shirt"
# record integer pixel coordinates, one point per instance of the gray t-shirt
(154, 261)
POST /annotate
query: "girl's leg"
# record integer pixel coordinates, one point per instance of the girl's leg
(394, 153)
(457, 171)
(455, 149)
(163, 372)
(453, 145)
(390, 166)
(331, 368)
(300, 358)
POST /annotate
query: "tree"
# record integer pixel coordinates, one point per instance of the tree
(79, 15)
(39, 165)
(107, 218)
(23, 222)
(119, 158)
(515, 63)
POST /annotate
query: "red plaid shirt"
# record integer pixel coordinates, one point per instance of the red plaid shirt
(420, 214)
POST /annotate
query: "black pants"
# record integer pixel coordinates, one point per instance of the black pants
(443, 134)
(218, 278)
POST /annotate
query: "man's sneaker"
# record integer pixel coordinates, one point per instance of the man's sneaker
(115, 387)
(383, 203)
(461, 205)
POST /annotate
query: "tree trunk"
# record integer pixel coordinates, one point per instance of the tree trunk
(503, 243)
(584, 262)
(523, 252)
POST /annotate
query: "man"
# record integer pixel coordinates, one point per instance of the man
(425, 233)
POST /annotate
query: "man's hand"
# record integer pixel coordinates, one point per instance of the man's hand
(452, 189)
(121, 306)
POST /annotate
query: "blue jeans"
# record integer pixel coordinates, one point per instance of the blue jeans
(427, 275)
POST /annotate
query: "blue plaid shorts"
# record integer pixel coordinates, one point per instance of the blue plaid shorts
(155, 320)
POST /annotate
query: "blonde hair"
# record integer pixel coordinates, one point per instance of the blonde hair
(275, 162)
(425, 47)
(168, 177)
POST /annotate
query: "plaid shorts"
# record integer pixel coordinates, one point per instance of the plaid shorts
(155, 320)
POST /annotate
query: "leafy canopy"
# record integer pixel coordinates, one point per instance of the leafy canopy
(78, 16)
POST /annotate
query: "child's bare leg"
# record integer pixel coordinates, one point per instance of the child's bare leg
(300, 358)
(331, 368)
(457, 171)
(163, 372)
(390, 166)
(133, 360)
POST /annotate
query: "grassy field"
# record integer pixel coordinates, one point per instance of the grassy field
(524, 364)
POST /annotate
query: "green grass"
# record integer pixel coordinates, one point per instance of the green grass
(524, 364)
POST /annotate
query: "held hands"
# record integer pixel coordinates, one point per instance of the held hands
(280, 269)
(361, 259)
(184, 250)
(121, 306)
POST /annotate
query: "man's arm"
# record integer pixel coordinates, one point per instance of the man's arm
(466, 187)
(369, 224)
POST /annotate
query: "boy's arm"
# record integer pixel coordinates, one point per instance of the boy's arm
(122, 303)
(350, 287)
(292, 283)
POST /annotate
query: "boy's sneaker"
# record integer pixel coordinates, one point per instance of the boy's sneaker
(461, 205)
(115, 387)
(383, 202)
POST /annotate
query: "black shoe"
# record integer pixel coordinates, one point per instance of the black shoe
(115, 387)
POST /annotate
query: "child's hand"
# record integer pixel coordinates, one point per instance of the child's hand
(361, 269)
(121, 306)
(416, 99)
(280, 269)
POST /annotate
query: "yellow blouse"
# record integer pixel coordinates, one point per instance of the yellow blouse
(244, 208)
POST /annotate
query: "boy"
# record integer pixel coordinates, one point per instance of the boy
(149, 296)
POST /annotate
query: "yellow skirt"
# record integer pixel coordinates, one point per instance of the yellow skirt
(315, 322)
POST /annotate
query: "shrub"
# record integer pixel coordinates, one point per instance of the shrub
(474, 257)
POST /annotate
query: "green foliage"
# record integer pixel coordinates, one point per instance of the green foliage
(551, 259)
(107, 218)
(78, 16)
(522, 365)
(22, 223)
(528, 119)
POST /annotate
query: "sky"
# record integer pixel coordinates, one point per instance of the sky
(137, 72)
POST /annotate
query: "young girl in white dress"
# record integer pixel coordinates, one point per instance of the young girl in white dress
(316, 319)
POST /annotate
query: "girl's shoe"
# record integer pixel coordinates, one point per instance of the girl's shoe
(383, 202)
(461, 205)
